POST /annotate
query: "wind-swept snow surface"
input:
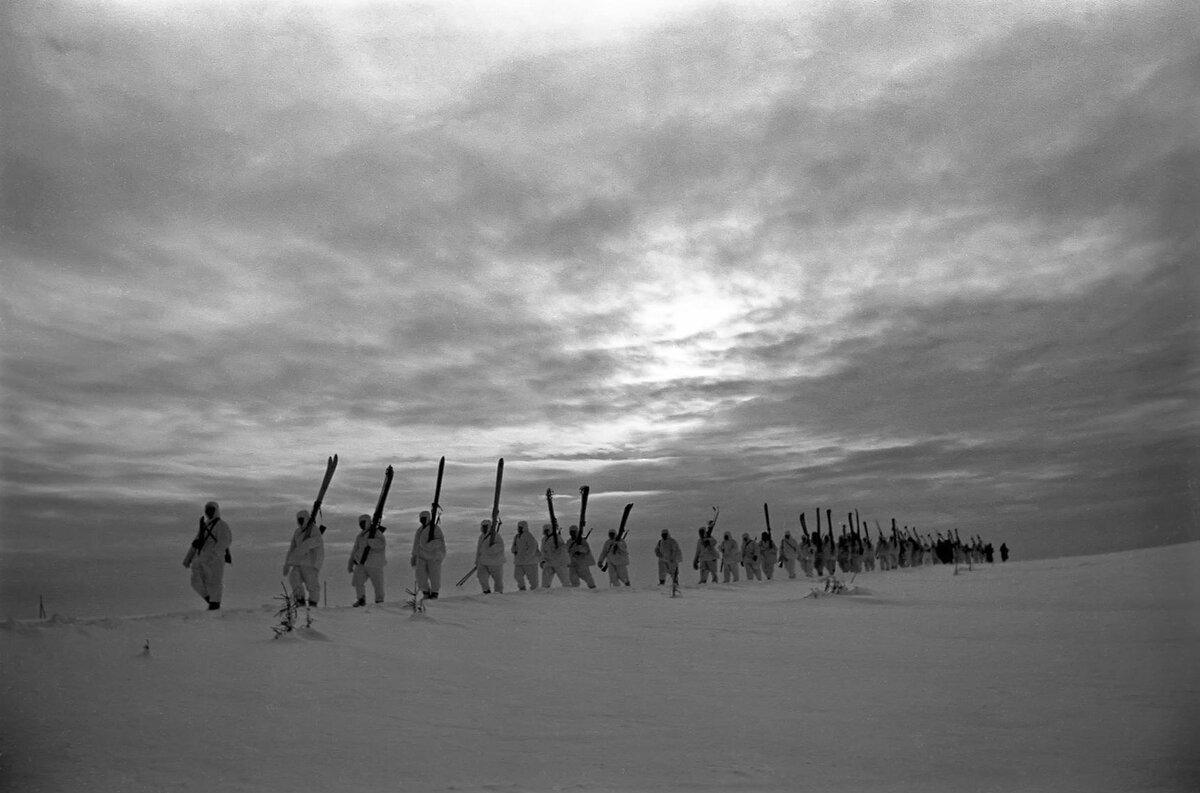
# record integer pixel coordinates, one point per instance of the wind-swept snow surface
(1069, 674)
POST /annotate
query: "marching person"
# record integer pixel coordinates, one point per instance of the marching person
(669, 556)
(615, 554)
(367, 560)
(208, 556)
(768, 555)
(706, 556)
(789, 552)
(428, 552)
(305, 555)
(489, 559)
(730, 559)
(525, 557)
(581, 559)
(556, 561)
(750, 557)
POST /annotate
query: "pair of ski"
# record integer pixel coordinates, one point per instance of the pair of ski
(494, 524)
(555, 532)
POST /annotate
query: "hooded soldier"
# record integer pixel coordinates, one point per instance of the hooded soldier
(614, 557)
(669, 556)
(730, 559)
(489, 559)
(581, 557)
(525, 557)
(208, 556)
(705, 559)
(556, 560)
(750, 558)
(789, 552)
(367, 560)
(428, 551)
(768, 555)
(305, 555)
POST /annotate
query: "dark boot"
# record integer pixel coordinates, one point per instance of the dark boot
(360, 602)
(213, 605)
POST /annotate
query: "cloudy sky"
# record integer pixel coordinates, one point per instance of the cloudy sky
(930, 261)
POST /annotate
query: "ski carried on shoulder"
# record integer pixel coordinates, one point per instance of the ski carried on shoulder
(435, 508)
(554, 532)
(621, 531)
(377, 516)
(330, 467)
(583, 497)
(495, 525)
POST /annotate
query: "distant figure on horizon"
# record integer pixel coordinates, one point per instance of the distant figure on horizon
(367, 560)
(302, 565)
(669, 556)
(556, 561)
(789, 552)
(706, 556)
(1003, 552)
(489, 559)
(525, 557)
(615, 557)
(750, 557)
(768, 555)
(730, 559)
(428, 551)
(581, 559)
(208, 556)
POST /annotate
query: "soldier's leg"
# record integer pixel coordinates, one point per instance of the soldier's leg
(481, 574)
(214, 581)
(359, 580)
(312, 583)
(198, 582)
(422, 569)
(435, 578)
(376, 576)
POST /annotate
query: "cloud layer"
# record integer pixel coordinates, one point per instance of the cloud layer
(933, 261)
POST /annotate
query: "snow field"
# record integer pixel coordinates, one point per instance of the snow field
(1068, 674)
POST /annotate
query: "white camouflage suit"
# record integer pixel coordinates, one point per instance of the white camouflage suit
(207, 556)
(489, 559)
(361, 570)
(525, 557)
(555, 559)
(428, 551)
(304, 559)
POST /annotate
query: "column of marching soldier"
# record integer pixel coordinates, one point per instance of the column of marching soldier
(536, 564)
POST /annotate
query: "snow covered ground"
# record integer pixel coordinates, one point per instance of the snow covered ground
(1075, 674)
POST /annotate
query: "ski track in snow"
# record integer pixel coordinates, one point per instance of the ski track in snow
(1065, 674)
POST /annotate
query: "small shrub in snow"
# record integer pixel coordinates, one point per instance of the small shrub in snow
(289, 613)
